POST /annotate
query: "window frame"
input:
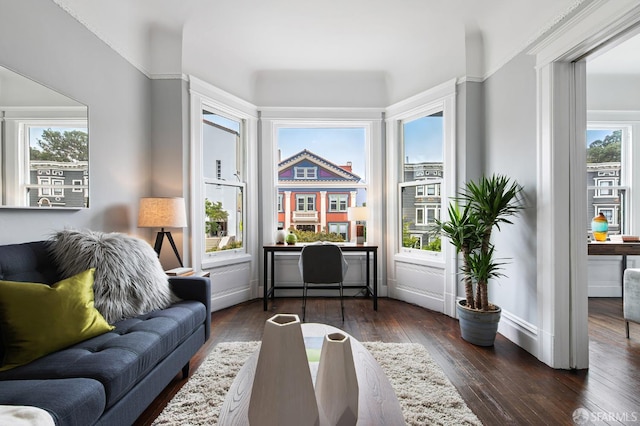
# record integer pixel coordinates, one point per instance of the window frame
(439, 98)
(206, 97)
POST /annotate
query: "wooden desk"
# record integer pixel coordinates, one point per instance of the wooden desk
(272, 249)
(377, 401)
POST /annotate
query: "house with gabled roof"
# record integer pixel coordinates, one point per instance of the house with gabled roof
(314, 194)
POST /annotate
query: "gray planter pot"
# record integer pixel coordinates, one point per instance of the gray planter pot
(476, 327)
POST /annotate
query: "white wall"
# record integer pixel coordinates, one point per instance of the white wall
(41, 41)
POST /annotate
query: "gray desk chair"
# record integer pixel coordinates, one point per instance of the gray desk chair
(631, 296)
(323, 267)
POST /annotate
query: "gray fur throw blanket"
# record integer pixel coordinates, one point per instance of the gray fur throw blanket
(129, 279)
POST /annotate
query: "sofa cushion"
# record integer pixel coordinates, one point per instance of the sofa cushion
(37, 319)
(129, 279)
(122, 357)
(69, 401)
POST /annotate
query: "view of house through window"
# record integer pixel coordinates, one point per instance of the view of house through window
(223, 188)
(57, 166)
(608, 189)
(423, 165)
(321, 175)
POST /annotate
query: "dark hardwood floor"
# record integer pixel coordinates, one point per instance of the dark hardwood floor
(503, 384)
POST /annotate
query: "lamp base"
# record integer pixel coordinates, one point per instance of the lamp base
(158, 246)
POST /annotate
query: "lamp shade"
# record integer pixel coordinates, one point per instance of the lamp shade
(357, 213)
(162, 212)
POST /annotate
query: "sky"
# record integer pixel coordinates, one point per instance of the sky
(338, 145)
(423, 140)
(595, 134)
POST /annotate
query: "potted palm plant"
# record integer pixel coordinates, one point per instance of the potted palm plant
(473, 214)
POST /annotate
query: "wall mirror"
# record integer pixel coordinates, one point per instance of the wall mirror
(44, 146)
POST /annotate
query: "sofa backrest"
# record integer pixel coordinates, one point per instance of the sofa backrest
(27, 262)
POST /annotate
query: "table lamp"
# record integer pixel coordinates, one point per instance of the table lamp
(358, 215)
(163, 212)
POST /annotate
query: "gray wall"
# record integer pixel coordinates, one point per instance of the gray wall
(169, 153)
(510, 149)
(41, 41)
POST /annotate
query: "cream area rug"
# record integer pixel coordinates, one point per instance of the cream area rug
(426, 395)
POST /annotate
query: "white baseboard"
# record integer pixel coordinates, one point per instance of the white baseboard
(225, 300)
(519, 331)
(420, 299)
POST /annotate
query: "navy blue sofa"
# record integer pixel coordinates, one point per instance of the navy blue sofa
(112, 378)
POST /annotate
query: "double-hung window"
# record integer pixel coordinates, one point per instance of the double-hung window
(608, 183)
(222, 199)
(422, 170)
(321, 173)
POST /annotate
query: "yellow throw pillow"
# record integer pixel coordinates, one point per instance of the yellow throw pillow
(37, 319)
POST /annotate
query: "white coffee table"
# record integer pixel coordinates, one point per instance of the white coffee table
(377, 401)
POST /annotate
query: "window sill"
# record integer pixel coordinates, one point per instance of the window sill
(433, 259)
(226, 259)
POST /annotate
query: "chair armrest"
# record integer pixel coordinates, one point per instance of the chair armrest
(194, 288)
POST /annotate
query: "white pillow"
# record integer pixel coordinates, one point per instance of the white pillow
(129, 279)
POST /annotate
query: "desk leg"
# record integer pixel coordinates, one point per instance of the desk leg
(273, 275)
(264, 285)
(624, 267)
(375, 280)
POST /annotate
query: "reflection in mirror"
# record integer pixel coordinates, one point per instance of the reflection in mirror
(44, 146)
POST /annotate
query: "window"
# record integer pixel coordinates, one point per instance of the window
(223, 198)
(305, 202)
(423, 166)
(338, 202)
(321, 172)
(305, 172)
(608, 187)
(339, 228)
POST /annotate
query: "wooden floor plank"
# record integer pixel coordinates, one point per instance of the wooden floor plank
(503, 384)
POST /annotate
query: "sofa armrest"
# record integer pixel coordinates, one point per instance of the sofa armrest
(194, 288)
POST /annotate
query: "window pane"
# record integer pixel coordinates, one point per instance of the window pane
(607, 189)
(223, 190)
(321, 173)
(423, 143)
(223, 217)
(221, 140)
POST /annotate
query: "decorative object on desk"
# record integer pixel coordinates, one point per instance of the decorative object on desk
(476, 210)
(281, 235)
(282, 392)
(291, 238)
(163, 212)
(336, 382)
(359, 215)
(599, 227)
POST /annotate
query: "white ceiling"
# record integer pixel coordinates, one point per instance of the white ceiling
(413, 44)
